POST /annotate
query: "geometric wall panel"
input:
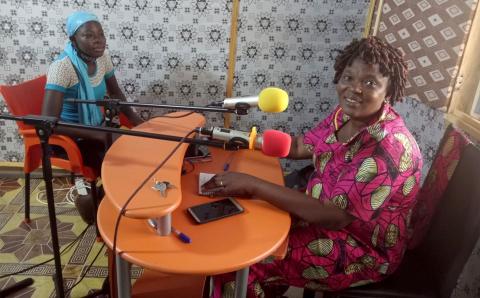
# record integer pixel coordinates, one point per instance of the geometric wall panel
(431, 34)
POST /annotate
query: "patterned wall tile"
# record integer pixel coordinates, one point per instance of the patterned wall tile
(427, 126)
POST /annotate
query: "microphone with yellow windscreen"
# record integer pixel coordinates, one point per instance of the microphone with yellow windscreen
(273, 100)
(270, 100)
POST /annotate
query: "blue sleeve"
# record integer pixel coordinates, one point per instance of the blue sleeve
(55, 88)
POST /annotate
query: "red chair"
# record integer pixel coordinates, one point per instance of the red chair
(26, 99)
(443, 166)
(124, 121)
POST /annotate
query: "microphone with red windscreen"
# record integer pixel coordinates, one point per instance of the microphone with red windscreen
(272, 143)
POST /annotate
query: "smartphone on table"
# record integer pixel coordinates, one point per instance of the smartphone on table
(215, 210)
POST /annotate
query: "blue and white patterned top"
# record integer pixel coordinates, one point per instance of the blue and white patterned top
(62, 77)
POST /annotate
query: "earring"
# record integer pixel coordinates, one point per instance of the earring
(386, 101)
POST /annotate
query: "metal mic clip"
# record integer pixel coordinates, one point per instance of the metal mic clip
(216, 104)
(241, 108)
(235, 144)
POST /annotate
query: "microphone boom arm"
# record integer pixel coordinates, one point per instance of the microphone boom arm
(219, 144)
(112, 106)
(47, 124)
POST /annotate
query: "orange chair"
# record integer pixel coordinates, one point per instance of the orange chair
(26, 99)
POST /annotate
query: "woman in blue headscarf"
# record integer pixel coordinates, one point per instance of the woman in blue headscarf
(84, 70)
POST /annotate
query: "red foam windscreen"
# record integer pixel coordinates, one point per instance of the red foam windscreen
(276, 143)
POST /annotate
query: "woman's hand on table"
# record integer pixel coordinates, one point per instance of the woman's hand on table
(232, 184)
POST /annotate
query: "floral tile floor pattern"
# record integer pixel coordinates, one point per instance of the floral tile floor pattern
(24, 245)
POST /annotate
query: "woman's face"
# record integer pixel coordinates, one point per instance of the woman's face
(91, 39)
(362, 90)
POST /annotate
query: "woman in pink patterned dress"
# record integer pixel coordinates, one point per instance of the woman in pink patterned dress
(350, 227)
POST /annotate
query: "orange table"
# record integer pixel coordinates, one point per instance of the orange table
(226, 245)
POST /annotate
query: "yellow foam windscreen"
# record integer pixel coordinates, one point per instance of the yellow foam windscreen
(273, 100)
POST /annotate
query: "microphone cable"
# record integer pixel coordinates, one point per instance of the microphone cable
(66, 249)
(124, 207)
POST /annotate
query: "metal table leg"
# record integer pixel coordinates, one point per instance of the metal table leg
(241, 280)
(124, 287)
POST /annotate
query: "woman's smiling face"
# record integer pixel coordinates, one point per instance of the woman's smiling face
(361, 90)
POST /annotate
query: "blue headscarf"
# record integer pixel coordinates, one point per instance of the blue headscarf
(88, 114)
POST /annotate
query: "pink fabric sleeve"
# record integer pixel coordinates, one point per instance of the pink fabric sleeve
(312, 137)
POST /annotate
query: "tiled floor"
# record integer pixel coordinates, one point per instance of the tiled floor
(24, 245)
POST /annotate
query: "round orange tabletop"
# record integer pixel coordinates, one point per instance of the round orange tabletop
(220, 246)
(131, 159)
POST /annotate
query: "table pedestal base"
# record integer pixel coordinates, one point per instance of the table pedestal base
(124, 285)
(163, 225)
(241, 281)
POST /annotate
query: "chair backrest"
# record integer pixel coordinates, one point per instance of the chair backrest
(446, 159)
(25, 98)
(455, 227)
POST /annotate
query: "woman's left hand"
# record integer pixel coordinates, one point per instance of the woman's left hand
(231, 184)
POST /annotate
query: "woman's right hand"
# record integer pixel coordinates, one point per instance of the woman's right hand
(232, 184)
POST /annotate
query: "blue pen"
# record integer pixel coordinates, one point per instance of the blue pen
(184, 238)
(226, 166)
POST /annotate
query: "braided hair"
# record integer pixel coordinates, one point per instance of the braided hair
(373, 50)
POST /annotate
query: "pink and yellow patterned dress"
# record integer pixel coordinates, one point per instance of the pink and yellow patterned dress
(375, 177)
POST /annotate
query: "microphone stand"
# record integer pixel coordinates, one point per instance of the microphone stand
(44, 127)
